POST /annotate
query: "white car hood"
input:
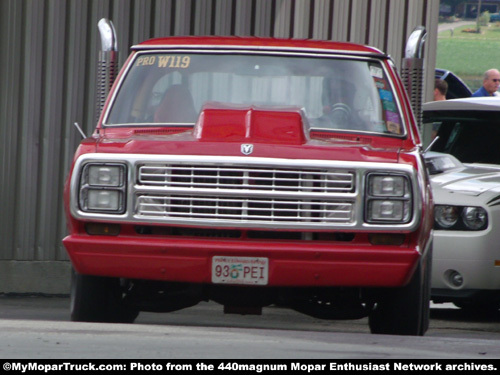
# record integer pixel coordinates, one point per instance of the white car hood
(471, 180)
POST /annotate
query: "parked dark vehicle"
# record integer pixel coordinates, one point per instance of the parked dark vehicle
(456, 87)
(494, 17)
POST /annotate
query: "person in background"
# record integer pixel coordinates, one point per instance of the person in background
(440, 90)
(491, 82)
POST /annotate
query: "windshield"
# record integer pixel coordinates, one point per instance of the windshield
(469, 140)
(163, 89)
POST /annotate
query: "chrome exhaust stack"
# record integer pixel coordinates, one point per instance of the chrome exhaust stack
(107, 66)
(412, 72)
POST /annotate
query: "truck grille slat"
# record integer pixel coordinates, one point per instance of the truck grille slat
(248, 209)
(238, 178)
(214, 193)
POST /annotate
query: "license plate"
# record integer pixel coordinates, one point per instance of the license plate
(240, 270)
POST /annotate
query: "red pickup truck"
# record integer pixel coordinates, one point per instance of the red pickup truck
(252, 172)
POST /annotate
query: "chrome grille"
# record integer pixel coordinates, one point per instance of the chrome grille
(245, 194)
(209, 177)
(223, 208)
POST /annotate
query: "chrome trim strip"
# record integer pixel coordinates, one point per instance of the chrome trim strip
(238, 48)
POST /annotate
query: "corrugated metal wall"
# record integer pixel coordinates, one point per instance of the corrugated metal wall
(48, 54)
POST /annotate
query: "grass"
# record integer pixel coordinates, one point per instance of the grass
(469, 55)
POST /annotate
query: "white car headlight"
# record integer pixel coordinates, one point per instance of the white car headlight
(103, 188)
(446, 216)
(460, 218)
(388, 198)
(475, 218)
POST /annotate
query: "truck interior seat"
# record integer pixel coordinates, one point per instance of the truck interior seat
(177, 106)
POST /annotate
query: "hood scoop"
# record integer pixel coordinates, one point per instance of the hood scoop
(223, 123)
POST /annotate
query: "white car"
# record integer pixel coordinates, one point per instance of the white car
(464, 166)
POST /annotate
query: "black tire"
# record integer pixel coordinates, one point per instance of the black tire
(99, 299)
(406, 310)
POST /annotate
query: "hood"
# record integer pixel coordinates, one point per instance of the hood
(251, 131)
(467, 182)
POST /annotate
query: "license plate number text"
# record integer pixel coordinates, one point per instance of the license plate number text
(240, 270)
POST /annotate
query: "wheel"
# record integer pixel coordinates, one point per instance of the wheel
(99, 299)
(340, 114)
(406, 310)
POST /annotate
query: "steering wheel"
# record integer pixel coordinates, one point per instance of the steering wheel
(340, 113)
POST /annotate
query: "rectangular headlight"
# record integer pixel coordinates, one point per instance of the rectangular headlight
(388, 198)
(387, 186)
(105, 175)
(103, 188)
(108, 200)
(388, 210)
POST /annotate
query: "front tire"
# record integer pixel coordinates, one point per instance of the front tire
(99, 299)
(406, 310)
